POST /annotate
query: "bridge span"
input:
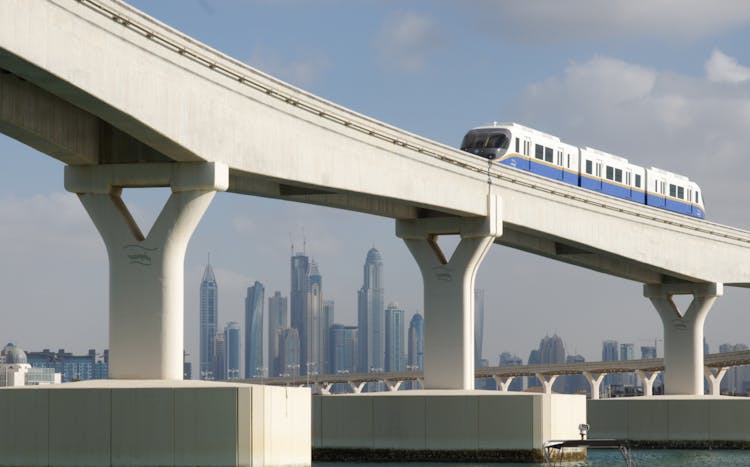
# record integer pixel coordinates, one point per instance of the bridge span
(126, 101)
(715, 368)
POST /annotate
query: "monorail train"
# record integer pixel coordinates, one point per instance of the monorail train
(545, 155)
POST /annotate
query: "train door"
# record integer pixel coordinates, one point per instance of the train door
(629, 183)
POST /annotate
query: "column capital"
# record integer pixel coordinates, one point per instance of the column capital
(705, 289)
(467, 227)
(180, 176)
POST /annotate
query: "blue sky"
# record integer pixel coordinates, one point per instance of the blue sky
(664, 83)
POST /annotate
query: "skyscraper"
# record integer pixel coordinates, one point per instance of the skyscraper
(478, 325)
(610, 353)
(343, 348)
(370, 314)
(394, 338)
(209, 315)
(220, 357)
(311, 335)
(289, 352)
(326, 321)
(232, 345)
(277, 320)
(298, 297)
(416, 343)
(254, 330)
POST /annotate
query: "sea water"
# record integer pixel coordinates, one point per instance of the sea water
(609, 458)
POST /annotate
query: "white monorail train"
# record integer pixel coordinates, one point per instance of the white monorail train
(545, 155)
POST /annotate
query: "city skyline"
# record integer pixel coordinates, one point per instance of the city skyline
(640, 88)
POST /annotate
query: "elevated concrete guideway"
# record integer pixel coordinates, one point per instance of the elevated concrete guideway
(155, 95)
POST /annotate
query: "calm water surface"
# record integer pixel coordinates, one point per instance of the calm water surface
(656, 457)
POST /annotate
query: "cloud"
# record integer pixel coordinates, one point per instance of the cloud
(696, 126)
(404, 41)
(723, 68)
(545, 21)
(304, 71)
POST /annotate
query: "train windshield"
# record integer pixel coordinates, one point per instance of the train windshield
(485, 140)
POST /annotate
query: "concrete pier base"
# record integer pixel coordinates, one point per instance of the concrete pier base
(673, 421)
(442, 425)
(147, 423)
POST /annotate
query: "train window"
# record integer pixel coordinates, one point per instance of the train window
(610, 173)
(680, 192)
(618, 175)
(548, 154)
(672, 190)
(568, 164)
(539, 151)
(637, 180)
(517, 149)
(589, 168)
(697, 197)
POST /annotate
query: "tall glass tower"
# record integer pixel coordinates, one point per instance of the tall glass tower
(254, 330)
(416, 343)
(277, 320)
(478, 325)
(326, 321)
(300, 269)
(370, 315)
(232, 345)
(209, 315)
(311, 356)
(394, 338)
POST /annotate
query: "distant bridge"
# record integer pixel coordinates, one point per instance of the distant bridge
(715, 368)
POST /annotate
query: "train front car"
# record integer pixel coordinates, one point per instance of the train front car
(488, 142)
(673, 192)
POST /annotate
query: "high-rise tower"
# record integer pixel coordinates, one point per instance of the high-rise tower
(209, 315)
(277, 320)
(254, 330)
(311, 356)
(300, 269)
(370, 315)
(232, 344)
(326, 321)
(478, 325)
(394, 338)
(416, 343)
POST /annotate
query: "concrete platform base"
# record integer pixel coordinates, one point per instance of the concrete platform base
(673, 421)
(433, 425)
(148, 423)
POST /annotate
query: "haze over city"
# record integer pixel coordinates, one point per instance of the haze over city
(659, 86)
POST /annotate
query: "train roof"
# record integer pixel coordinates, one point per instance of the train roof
(599, 152)
(517, 127)
(669, 174)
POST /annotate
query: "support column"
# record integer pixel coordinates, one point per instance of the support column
(547, 381)
(503, 382)
(683, 333)
(714, 377)
(146, 272)
(449, 291)
(648, 381)
(595, 383)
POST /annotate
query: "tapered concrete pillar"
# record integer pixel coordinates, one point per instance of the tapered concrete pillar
(714, 377)
(146, 272)
(648, 378)
(683, 333)
(449, 291)
(595, 382)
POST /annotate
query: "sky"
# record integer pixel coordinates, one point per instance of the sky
(663, 83)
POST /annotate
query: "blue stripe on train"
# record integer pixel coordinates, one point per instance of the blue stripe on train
(602, 186)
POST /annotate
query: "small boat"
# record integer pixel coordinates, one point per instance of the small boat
(553, 449)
